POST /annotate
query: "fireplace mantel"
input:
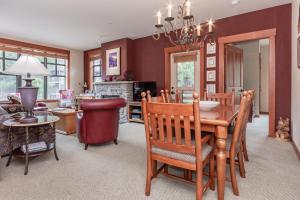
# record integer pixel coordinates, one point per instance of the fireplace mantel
(113, 82)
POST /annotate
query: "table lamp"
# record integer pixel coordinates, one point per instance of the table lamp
(28, 65)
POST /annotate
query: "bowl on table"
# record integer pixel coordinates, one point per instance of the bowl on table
(17, 116)
(208, 105)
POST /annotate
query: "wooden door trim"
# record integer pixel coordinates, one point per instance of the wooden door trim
(168, 51)
(270, 34)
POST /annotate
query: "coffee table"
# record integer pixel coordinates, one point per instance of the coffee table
(42, 120)
(67, 123)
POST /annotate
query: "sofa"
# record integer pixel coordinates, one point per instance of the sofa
(99, 120)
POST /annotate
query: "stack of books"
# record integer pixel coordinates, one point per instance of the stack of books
(35, 147)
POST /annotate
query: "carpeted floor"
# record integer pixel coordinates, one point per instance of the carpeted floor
(118, 172)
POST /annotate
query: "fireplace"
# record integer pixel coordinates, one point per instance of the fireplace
(116, 89)
(109, 96)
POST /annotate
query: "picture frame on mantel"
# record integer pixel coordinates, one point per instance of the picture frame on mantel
(113, 67)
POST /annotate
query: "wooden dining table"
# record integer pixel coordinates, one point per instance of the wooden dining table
(217, 121)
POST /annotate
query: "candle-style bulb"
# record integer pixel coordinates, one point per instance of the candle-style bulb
(210, 26)
(170, 10)
(198, 30)
(158, 17)
(188, 8)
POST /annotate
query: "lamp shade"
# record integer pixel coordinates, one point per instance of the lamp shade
(27, 64)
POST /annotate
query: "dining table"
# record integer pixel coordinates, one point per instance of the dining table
(217, 121)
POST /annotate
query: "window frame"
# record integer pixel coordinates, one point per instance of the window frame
(93, 68)
(36, 50)
(45, 81)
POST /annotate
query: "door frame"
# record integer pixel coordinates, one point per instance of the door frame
(263, 34)
(177, 49)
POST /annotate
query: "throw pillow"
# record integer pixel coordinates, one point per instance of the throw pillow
(14, 99)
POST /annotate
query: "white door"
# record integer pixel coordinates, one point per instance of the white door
(185, 73)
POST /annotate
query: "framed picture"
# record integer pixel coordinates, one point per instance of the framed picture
(211, 48)
(211, 62)
(211, 88)
(113, 67)
(211, 75)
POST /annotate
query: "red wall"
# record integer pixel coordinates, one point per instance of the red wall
(126, 54)
(149, 54)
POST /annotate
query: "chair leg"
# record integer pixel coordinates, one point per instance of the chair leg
(241, 165)
(245, 152)
(235, 189)
(148, 178)
(116, 141)
(154, 168)
(199, 188)
(86, 146)
(212, 171)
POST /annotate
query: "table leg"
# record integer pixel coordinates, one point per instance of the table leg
(55, 153)
(27, 153)
(221, 136)
(10, 147)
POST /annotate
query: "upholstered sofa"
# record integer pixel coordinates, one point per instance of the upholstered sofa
(99, 121)
(44, 133)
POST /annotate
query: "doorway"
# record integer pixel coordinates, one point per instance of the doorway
(257, 35)
(185, 73)
(246, 68)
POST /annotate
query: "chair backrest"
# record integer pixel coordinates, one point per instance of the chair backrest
(154, 99)
(161, 119)
(240, 123)
(166, 96)
(223, 98)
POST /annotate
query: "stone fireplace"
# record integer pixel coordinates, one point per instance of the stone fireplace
(122, 89)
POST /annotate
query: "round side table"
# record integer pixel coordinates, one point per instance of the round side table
(42, 120)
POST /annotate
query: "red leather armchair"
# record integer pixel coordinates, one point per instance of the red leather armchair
(99, 121)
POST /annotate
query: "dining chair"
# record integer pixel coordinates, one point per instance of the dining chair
(244, 141)
(167, 97)
(153, 99)
(170, 141)
(233, 145)
(223, 98)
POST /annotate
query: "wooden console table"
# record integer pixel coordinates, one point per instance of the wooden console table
(67, 123)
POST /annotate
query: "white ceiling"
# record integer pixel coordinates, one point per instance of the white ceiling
(81, 24)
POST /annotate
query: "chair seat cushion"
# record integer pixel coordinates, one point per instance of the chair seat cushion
(206, 149)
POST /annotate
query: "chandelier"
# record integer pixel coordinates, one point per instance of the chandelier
(182, 30)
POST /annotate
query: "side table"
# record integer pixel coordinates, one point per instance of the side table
(42, 120)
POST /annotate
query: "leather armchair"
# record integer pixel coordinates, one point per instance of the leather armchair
(99, 120)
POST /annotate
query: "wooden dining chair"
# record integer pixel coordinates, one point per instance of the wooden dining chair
(167, 97)
(154, 99)
(223, 98)
(170, 141)
(244, 141)
(233, 145)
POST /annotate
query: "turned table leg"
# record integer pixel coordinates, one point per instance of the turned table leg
(221, 136)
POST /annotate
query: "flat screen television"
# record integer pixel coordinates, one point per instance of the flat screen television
(139, 87)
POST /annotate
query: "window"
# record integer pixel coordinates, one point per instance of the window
(8, 83)
(97, 70)
(48, 86)
(57, 79)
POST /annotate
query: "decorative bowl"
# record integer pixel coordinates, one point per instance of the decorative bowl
(17, 116)
(208, 105)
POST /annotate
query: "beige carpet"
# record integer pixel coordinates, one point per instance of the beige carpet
(118, 172)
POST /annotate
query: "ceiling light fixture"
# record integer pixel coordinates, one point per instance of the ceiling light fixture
(182, 29)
